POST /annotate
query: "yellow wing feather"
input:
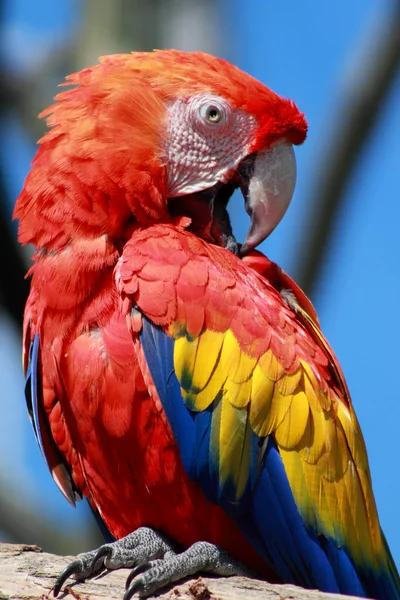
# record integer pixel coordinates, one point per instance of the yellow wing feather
(235, 450)
(317, 434)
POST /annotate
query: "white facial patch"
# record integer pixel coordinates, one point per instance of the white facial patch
(206, 140)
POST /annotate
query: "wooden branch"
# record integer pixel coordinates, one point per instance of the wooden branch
(28, 573)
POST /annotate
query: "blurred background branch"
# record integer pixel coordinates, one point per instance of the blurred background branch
(14, 287)
(19, 521)
(374, 68)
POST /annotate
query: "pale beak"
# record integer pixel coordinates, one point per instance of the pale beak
(267, 185)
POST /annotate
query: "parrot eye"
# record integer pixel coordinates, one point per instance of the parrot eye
(212, 113)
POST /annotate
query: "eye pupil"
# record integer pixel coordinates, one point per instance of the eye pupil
(213, 114)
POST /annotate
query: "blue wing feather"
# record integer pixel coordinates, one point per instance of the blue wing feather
(159, 351)
(32, 390)
(191, 429)
(301, 555)
(267, 513)
(52, 456)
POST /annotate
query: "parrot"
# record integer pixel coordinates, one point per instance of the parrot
(176, 378)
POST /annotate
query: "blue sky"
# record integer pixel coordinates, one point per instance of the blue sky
(305, 51)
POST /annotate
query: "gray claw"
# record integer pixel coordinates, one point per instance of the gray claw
(98, 559)
(137, 548)
(202, 556)
(72, 569)
(145, 566)
(135, 587)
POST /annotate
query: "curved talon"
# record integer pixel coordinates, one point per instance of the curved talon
(132, 589)
(139, 569)
(72, 568)
(102, 552)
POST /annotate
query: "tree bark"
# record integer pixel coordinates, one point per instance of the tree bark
(28, 573)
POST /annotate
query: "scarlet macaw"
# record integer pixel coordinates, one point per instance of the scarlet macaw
(177, 379)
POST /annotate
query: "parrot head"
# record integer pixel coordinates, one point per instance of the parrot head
(167, 134)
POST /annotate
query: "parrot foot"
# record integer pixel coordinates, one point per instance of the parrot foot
(202, 556)
(137, 548)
